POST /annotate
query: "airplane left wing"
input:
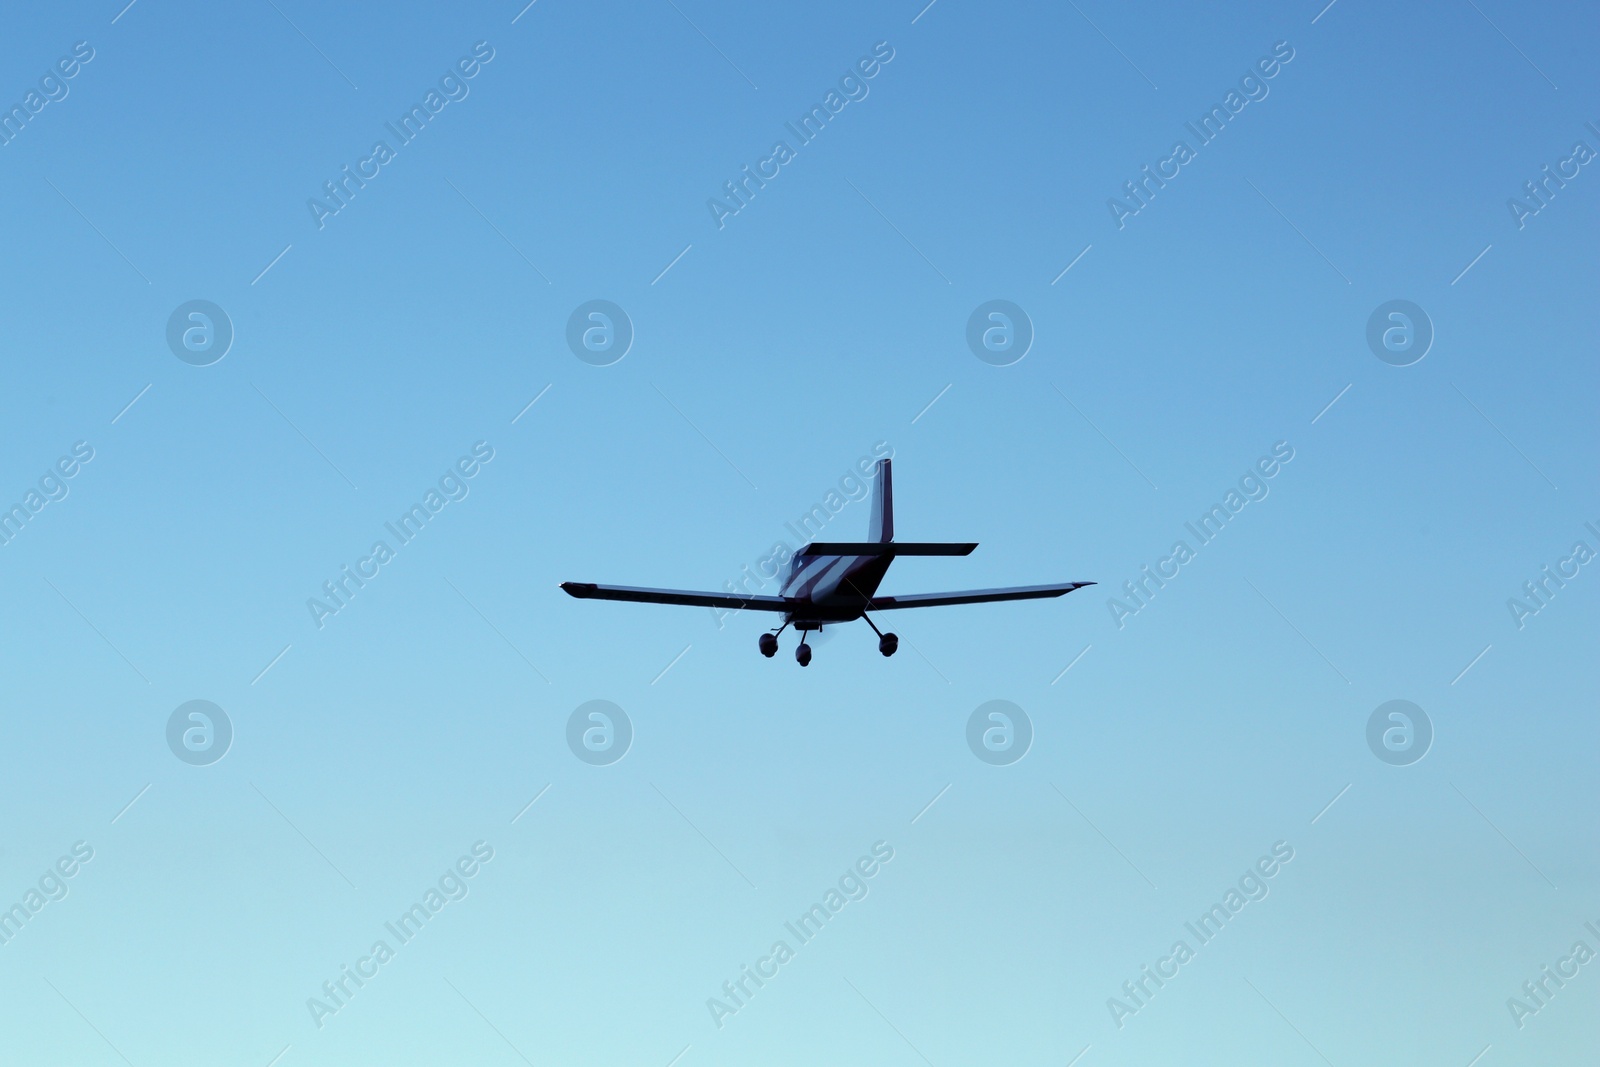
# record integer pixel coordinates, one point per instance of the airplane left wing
(687, 598)
(973, 596)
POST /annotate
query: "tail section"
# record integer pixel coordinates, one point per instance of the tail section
(881, 528)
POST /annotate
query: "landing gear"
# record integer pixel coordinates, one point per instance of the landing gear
(769, 641)
(802, 655)
(888, 644)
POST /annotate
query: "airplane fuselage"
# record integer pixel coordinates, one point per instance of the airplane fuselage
(831, 588)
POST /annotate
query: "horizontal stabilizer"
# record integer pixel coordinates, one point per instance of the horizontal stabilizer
(683, 597)
(889, 548)
(973, 596)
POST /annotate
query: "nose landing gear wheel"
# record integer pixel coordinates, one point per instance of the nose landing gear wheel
(802, 655)
(769, 645)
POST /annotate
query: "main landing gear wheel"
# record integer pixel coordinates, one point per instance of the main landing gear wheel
(769, 645)
(802, 655)
(888, 644)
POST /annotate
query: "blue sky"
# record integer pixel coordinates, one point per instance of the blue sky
(376, 347)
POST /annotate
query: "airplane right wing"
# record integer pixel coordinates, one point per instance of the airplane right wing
(973, 596)
(687, 598)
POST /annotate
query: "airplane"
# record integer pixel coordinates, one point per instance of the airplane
(835, 582)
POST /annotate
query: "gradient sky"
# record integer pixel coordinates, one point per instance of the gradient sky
(770, 354)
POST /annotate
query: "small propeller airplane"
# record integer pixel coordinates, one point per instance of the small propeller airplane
(835, 582)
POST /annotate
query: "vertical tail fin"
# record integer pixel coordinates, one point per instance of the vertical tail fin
(881, 527)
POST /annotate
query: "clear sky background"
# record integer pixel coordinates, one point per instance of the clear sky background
(770, 354)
